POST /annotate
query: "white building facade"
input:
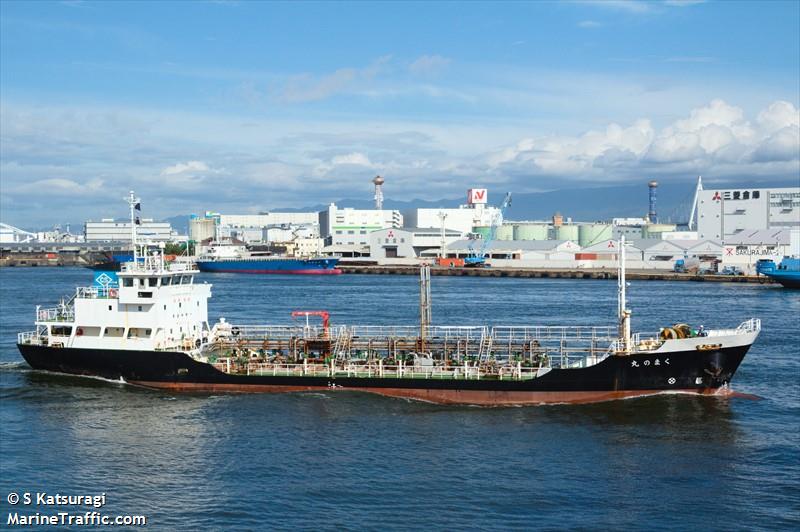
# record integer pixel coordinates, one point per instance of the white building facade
(722, 214)
(110, 230)
(462, 219)
(267, 219)
(351, 227)
(408, 242)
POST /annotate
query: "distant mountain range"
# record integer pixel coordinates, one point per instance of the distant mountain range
(586, 204)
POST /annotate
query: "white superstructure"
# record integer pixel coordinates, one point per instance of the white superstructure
(156, 307)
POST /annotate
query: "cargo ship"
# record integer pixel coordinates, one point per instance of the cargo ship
(150, 328)
(237, 259)
(787, 272)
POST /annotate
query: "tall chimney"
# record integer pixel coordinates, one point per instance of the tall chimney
(651, 216)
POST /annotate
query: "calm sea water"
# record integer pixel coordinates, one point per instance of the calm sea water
(351, 460)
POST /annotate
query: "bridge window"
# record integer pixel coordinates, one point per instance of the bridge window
(139, 332)
(61, 330)
(153, 281)
(127, 282)
(166, 281)
(114, 332)
(87, 331)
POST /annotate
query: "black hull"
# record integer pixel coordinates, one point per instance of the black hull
(617, 376)
(113, 266)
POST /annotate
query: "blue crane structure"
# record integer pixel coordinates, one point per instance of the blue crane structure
(478, 258)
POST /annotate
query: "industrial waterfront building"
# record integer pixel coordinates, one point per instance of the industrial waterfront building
(351, 227)
(110, 230)
(409, 242)
(724, 213)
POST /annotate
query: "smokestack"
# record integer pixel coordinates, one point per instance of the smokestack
(652, 214)
(378, 182)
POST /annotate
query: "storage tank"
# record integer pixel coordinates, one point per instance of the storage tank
(530, 232)
(505, 232)
(567, 232)
(202, 229)
(483, 230)
(655, 230)
(589, 234)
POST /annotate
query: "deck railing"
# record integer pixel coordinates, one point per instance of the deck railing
(379, 370)
(95, 292)
(57, 314)
(30, 338)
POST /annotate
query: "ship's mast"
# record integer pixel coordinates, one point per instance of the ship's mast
(424, 303)
(623, 314)
(133, 201)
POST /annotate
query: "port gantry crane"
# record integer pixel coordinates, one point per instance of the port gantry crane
(478, 258)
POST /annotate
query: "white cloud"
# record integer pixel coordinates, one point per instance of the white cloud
(631, 6)
(716, 136)
(683, 3)
(81, 154)
(428, 64)
(354, 158)
(307, 88)
(185, 168)
(779, 115)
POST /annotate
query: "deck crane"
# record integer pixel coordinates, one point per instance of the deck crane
(478, 258)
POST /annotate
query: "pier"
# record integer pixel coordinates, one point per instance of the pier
(554, 273)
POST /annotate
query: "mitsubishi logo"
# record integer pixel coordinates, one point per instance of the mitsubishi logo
(716, 197)
(611, 243)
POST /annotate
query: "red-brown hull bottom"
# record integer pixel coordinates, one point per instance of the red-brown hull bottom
(464, 397)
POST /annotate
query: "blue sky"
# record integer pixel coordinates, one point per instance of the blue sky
(249, 106)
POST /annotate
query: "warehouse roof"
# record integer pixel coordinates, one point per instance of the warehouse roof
(760, 237)
(513, 245)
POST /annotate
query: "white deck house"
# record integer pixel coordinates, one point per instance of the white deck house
(155, 308)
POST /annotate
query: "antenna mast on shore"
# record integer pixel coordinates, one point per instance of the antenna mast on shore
(442, 248)
(694, 203)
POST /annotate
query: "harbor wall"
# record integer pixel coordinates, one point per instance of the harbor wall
(553, 273)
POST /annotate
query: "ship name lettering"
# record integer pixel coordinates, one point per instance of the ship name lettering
(657, 363)
(646, 362)
(634, 364)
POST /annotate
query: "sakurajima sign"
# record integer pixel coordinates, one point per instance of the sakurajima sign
(760, 251)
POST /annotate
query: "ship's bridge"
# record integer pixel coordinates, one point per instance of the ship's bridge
(157, 306)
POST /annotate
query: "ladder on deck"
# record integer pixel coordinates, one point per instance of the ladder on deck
(341, 348)
(485, 349)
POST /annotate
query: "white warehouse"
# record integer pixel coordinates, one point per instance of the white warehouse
(721, 214)
(110, 230)
(351, 227)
